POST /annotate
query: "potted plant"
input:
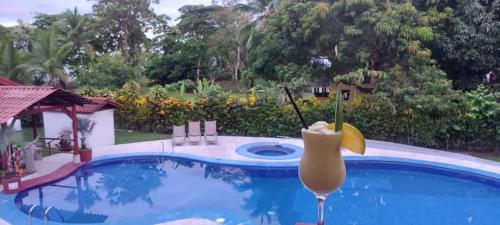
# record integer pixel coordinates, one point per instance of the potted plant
(11, 180)
(64, 144)
(85, 128)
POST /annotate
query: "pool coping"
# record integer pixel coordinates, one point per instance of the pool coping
(60, 173)
(16, 216)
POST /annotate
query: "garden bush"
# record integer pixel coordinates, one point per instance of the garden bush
(470, 123)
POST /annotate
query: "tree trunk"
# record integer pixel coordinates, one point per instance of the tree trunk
(198, 65)
(125, 46)
(238, 61)
(81, 56)
(52, 80)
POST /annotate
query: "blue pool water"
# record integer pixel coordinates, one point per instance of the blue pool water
(158, 189)
(271, 152)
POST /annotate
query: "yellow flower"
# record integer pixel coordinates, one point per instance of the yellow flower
(315, 102)
(140, 101)
(229, 101)
(243, 100)
(300, 102)
(121, 98)
(252, 100)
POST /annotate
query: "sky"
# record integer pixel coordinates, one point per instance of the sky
(12, 10)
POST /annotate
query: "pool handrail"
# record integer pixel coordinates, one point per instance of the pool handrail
(46, 215)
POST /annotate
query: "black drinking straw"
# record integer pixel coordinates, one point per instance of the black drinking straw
(296, 108)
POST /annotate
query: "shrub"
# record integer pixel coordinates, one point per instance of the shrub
(465, 121)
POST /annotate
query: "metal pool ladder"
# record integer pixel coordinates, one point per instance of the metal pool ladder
(46, 216)
(30, 213)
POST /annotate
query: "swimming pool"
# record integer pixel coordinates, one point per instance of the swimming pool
(149, 190)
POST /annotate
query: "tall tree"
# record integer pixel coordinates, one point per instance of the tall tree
(43, 21)
(175, 59)
(24, 34)
(261, 10)
(77, 29)
(196, 24)
(468, 45)
(5, 33)
(11, 60)
(123, 25)
(49, 54)
(226, 44)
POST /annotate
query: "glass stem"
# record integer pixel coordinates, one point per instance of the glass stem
(321, 209)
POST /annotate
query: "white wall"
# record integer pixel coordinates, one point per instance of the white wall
(104, 131)
(17, 124)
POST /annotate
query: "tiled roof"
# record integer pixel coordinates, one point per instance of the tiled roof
(16, 99)
(6, 82)
(99, 103)
(102, 104)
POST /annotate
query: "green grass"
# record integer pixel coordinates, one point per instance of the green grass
(26, 135)
(492, 157)
(121, 136)
(124, 136)
(489, 156)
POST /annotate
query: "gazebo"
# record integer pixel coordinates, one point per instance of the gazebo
(102, 112)
(24, 101)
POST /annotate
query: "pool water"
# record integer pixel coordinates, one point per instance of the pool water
(271, 152)
(158, 189)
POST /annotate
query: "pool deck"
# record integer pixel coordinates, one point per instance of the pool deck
(225, 150)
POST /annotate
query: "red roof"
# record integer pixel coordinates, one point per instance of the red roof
(98, 104)
(102, 104)
(6, 82)
(16, 99)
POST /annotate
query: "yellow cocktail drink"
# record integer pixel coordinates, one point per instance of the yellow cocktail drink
(322, 169)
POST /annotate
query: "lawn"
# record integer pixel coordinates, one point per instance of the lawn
(491, 157)
(121, 136)
(124, 136)
(26, 135)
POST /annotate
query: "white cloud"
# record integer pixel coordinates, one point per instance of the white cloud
(12, 10)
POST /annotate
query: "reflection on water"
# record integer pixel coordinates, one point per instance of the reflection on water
(154, 190)
(123, 184)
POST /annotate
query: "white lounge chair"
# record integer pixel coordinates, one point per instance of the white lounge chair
(179, 135)
(211, 135)
(194, 133)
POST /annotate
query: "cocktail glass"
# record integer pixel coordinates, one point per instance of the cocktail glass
(322, 169)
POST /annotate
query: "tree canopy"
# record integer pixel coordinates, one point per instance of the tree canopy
(265, 39)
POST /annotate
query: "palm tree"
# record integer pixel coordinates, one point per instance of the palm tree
(76, 28)
(49, 56)
(85, 128)
(262, 9)
(11, 60)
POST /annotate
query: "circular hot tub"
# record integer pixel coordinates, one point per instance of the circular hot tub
(270, 150)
